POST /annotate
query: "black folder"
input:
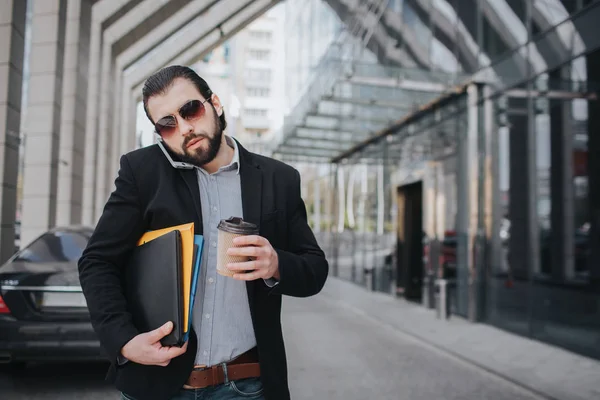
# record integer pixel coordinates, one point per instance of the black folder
(153, 286)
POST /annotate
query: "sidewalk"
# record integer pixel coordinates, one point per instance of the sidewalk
(549, 371)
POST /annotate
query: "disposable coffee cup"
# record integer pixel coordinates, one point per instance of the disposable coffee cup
(228, 230)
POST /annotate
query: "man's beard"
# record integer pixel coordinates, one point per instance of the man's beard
(201, 156)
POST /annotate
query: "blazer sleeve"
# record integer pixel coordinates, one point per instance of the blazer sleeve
(102, 262)
(303, 268)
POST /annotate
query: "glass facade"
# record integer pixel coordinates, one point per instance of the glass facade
(310, 28)
(491, 181)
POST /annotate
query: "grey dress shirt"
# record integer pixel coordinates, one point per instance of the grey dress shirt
(221, 318)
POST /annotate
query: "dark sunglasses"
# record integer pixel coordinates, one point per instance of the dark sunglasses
(190, 111)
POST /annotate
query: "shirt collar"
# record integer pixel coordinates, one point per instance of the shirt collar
(235, 161)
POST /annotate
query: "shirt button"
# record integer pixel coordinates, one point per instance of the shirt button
(205, 352)
(214, 209)
(207, 316)
(211, 280)
(214, 244)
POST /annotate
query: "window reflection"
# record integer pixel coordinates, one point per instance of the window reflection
(55, 247)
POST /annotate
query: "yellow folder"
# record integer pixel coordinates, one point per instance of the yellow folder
(187, 250)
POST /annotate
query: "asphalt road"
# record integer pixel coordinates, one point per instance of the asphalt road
(333, 353)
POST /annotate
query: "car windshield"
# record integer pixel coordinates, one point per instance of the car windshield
(60, 246)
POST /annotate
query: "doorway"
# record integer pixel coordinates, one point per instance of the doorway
(409, 268)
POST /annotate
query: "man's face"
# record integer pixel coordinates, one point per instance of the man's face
(187, 122)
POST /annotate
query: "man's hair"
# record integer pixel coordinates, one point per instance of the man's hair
(161, 81)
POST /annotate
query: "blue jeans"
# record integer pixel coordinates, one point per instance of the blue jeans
(250, 388)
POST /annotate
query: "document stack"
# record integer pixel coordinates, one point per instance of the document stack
(161, 280)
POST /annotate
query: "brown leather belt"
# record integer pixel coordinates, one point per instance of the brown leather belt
(242, 367)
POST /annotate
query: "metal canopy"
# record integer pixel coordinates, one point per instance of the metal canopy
(339, 112)
(432, 129)
(327, 134)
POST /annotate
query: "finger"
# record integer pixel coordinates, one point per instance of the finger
(159, 333)
(248, 251)
(250, 240)
(250, 276)
(184, 347)
(173, 351)
(244, 266)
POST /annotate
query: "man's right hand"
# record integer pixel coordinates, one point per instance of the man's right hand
(146, 349)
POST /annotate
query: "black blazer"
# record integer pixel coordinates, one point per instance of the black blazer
(151, 194)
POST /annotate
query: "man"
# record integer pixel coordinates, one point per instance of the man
(197, 173)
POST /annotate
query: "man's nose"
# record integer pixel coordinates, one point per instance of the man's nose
(185, 127)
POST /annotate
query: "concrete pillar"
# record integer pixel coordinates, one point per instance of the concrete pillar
(115, 129)
(520, 185)
(466, 215)
(593, 68)
(74, 107)
(91, 126)
(557, 252)
(12, 47)
(328, 201)
(103, 148)
(42, 125)
(474, 203)
(317, 201)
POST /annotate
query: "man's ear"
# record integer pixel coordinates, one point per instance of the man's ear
(216, 102)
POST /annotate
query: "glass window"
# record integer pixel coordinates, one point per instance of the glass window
(255, 112)
(396, 5)
(258, 92)
(58, 246)
(259, 55)
(467, 13)
(418, 27)
(493, 45)
(519, 8)
(569, 5)
(263, 36)
(259, 74)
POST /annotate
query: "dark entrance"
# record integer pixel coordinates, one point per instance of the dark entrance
(410, 241)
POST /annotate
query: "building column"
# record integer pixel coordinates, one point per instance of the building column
(520, 185)
(128, 126)
(74, 107)
(116, 115)
(474, 217)
(317, 201)
(91, 126)
(593, 68)
(431, 197)
(560, 263)
(104, 134)
(12, 48)
(42, 125)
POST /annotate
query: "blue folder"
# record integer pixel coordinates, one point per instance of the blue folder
(199, 241)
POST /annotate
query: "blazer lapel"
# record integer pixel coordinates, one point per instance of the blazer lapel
(191, 181)
(251, 186)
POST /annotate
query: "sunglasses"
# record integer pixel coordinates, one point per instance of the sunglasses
(190, 111)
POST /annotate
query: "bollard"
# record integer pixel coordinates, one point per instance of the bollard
(368, 279)
(441, 306)
(428, 293)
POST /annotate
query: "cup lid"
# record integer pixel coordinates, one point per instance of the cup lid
(238, 225)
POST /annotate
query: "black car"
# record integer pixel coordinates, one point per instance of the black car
(43, 313)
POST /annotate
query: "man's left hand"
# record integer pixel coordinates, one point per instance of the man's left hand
(264, 262)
